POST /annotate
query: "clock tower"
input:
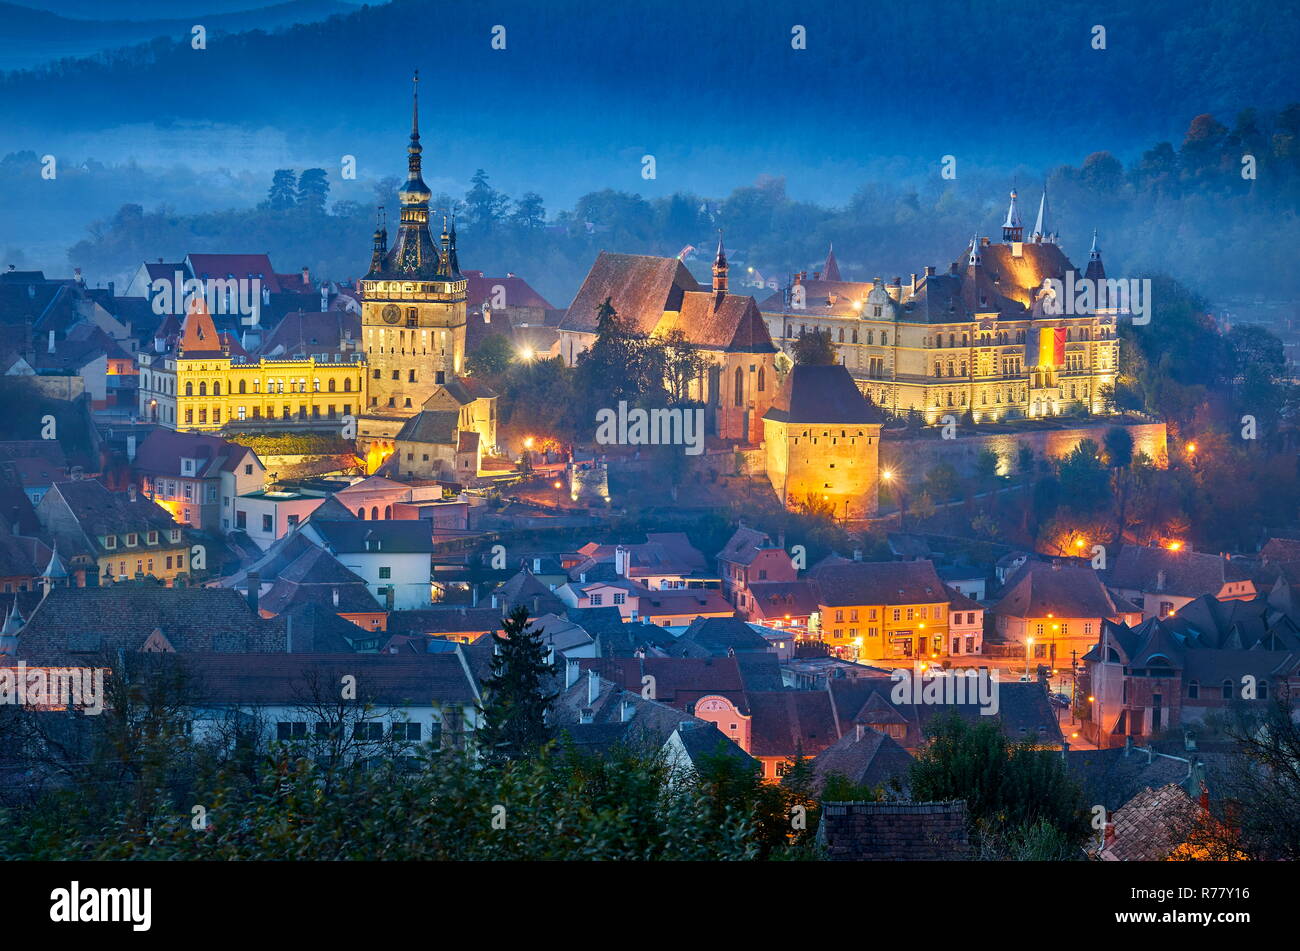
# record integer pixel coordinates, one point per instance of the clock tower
(412, 310)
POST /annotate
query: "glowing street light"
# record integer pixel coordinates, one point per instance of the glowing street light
(528, 442)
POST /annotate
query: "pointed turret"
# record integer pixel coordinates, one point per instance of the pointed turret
(831, 271)
(198, 332)
(975, 259)
(720, 269)
(1013, 227)
(1040, 235)
(453, 262)
(9, 632)
(380, 247)
(1096, 270)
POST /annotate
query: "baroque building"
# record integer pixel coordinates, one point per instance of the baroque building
(968, 340)
(412, 312)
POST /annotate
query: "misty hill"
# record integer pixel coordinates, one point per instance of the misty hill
(962, 76)
(31, 37)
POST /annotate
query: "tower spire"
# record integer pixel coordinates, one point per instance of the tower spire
(1013, 227)
(1096, 270)
(720, 268)
(1040, 226)
(414, 251)
(975, 259)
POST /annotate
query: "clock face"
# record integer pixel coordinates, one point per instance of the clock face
(391, 314)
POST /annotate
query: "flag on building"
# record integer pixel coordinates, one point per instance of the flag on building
(1045, 347)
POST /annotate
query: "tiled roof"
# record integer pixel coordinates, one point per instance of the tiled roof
(312, 332)
(844, 583)
(430, 426)
(874, 760)
(786, 721)
(395, 536)
(823, 395)
(776, 599)
(678, 681)
(121, 617)
(1038, 589)
(640, 289)
(1151, 825)
(162, 451)
(451, 619)
(720, 322)
(242, 266)
(1185, 573)
(715, 636)
(895, 831)
(286, 679)
(518, 292)
(99, 512)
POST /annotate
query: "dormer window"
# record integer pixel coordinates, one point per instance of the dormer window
(153, 538)
(110, 541)
(175, 534)
(131, 539)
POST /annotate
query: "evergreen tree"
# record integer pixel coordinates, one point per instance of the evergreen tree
(815, 349)
(516, 700)
(283, 191)
(313, 190)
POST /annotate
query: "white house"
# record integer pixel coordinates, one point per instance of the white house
(393, 556)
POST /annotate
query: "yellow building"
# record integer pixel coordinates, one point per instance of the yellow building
(412, 313)
(210, 387)
(889, 612)
(822, 440)
(954, 342)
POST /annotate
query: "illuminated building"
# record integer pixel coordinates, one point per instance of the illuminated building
(955, 342)
(412, 312)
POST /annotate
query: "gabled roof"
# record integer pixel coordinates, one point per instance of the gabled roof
(716, 636)
(1182, 573)
(430, 426)
(875, 760)
(720, 322)
(844, 583)
(1038, 589)
(640, 288)
(744, 545)
(163, 449)
(777, 599)
(245, 266)
(357, 536)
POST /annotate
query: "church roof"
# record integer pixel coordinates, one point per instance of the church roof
(640, 287)
(720, 322)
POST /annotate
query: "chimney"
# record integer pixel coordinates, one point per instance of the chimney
(336, 597)
(537, 565)
(111, 287)
(593, 687)
(473, 595)
(131, 493)
(1189, 741)
(929, 270)
(571, 672)
(494, 600)
(306, 276)
(1160, 580)
(857, 554)
(859, 731)
(254, 590)
(780, 539)
(130, 447)
(92, 576)
(537, 605)
(621, 557)
(626, 709)
(585, 715)
(50, 347)
(1128, 744)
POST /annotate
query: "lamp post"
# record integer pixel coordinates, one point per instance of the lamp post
(1029, 642)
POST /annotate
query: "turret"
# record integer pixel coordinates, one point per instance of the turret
(720, 270)
(1013, 227)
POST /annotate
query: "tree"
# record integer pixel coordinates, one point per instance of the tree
(492, 357)
(484, 205)
(622, 364)
(683, 365)
(515, 697)
(313, 190)
(815, 349)
(1008, 789)
(529, 213)
(283, 192)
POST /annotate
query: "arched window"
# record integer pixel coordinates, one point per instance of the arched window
(361, 513)
(388, 511)
(243, 386)
(347, 384)
(189, 388)
(331, 384)
(740, 387)
(762, 379)
(884, 339)
(216, 387)
(374, 512)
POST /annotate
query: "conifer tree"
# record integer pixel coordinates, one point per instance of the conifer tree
(516, 698)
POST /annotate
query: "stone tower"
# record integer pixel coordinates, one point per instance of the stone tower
(412, 309)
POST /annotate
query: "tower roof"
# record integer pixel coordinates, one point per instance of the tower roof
(198, 332)
(54, 569)
(1096, 270)
(1013, 214)
(831, 272)
(1040, 226)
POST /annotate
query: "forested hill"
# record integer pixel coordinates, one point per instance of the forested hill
(980, 75)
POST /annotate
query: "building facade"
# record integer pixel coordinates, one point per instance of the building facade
(967, 340)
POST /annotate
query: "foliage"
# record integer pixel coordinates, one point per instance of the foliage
(515, 697)
(814, 349)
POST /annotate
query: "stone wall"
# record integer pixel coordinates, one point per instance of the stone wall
(916, 456)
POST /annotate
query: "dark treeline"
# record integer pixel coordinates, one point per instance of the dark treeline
(1179, 208)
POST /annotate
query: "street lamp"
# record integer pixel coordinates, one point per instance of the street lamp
(1029, 642)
